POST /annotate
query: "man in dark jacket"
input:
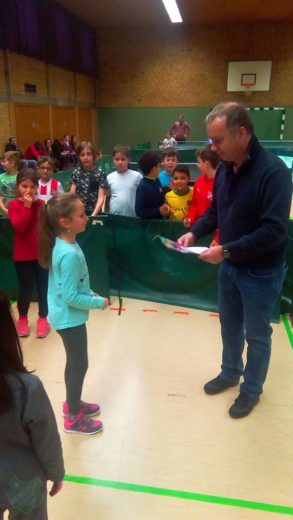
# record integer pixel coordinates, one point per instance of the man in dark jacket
(251, 205)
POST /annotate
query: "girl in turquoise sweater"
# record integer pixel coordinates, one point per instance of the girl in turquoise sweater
(69, 301)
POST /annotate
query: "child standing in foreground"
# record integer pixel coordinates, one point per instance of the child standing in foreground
(179, 198)
(47, 186)
(69, 300)
(89, 181)
(24, 214)
(30, 448)
(10, 163)
(149, 195)
(123, 183)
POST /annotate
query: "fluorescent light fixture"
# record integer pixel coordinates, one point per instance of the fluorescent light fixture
(173, 11)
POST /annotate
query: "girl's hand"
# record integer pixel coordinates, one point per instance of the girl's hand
(28, 200)
(106, 303)
(3, 201)
(57, 486)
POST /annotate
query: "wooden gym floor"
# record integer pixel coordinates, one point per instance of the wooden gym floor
(168, 451)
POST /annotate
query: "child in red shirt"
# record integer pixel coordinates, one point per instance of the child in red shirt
(207, 162)
(24, 216)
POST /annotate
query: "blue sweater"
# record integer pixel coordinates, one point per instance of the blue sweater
(251, 209)
(69, 293)
(149, 198)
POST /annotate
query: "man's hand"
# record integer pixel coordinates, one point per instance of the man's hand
(186, 240)
(214, 255)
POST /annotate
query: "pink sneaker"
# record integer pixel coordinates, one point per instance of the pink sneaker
(87, 409)
(82, 425)
(43, 328)
(22, 327)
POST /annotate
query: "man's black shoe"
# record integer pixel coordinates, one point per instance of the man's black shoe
(242, 406)
(218, 385)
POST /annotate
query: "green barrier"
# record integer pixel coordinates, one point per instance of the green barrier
(64, 178)
(145, 269)
(124, 256)
(92, 242)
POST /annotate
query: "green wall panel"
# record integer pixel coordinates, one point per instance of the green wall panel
(138, 125)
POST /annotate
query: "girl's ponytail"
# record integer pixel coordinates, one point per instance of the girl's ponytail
(47, 237)
(61, 205)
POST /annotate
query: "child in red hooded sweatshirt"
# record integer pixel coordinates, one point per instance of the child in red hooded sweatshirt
(207, 162)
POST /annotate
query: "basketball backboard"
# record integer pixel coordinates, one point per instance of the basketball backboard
(252, 75)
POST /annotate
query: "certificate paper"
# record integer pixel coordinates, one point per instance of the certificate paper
(172, 244)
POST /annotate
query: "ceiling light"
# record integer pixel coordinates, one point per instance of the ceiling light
(173, 11)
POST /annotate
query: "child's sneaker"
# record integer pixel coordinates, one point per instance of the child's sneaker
(87, 409)
(22, 327)
(81, 424)
(43, 328)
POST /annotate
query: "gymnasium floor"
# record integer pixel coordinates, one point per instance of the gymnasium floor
(168, 451)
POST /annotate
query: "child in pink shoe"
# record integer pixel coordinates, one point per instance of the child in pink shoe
(24, 213)
(70, 299)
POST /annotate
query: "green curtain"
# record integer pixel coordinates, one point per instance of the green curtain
(125, 256)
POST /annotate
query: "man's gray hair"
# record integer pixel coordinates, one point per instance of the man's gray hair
(236, 115)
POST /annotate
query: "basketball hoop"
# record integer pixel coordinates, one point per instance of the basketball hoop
(247, 87)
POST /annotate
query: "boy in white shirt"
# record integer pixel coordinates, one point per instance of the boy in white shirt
(47, 186)
(123, 183)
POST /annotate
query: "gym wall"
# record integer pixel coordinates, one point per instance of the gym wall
(184, 69)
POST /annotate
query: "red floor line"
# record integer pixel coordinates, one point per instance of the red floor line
(149, 310)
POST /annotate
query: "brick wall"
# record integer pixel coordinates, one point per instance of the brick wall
(55, 86)
(85, 89)
(5, 127)
(187, 66)
(2, 74)
(61, 83)
(27, 70)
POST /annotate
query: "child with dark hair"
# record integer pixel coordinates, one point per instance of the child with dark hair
(70, 299)
(169, 161)
(30, 448)
(24, 213)
(48, 187)
(88, 180)
(149, 195)
(123, 183)
(179, 198)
